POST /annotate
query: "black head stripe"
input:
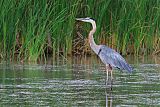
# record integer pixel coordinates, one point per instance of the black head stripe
(92, 19)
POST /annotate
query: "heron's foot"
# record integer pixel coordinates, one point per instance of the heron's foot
(108, 79)
(109, 84)
(112, 79)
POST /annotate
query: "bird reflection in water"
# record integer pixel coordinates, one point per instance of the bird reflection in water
(109, 97)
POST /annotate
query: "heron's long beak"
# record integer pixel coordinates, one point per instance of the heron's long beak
(80, 19)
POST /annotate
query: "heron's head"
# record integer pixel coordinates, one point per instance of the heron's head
(90, 20)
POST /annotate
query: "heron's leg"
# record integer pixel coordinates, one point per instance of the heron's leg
(106, 78)
(111, 79)
(111, 75)
(107, 73)
(111, 72)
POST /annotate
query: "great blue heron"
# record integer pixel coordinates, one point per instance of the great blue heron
(108, 56)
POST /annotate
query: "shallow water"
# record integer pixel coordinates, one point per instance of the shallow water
(79, 82)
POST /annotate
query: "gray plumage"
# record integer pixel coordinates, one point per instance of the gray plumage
(110, 56)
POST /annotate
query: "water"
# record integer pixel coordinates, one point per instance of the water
(79, 82)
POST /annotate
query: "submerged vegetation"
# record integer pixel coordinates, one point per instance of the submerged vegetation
(32, 29)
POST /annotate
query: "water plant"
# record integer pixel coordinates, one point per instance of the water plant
(32, 29)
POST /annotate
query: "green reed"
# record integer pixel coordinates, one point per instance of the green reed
(28, 28)
(130, 23)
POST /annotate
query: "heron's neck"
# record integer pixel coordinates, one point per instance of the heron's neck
(93, 45)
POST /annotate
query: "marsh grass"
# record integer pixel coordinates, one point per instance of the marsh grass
(32, 29)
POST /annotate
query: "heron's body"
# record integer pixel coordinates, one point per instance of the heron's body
(108, 56)
(113, 58)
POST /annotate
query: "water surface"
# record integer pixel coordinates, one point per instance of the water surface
(79, 82)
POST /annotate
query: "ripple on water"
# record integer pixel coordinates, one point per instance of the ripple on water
(65, 87)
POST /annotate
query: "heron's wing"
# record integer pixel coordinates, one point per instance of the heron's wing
(110, 56)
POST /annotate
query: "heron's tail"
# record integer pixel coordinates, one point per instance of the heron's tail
(125, 66)
(128, 67)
